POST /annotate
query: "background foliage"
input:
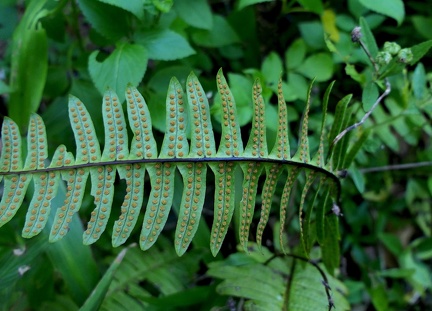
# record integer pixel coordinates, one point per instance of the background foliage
(50, 49)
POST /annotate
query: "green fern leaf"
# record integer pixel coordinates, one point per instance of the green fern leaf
(190, 157)
(45, 190)
(230, 145)
(15, 185)
(255, 148)
(302, 155)
(194, 174)
(339, 119)
(292, 176)
(102, 177)
(175, 145)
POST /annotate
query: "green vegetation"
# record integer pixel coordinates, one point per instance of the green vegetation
(314, 142)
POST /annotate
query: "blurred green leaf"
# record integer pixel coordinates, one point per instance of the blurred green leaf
(244, 3)
(4, 88)
(95, 299)
(136, 7)
(358, 179)
(221, 34)
(396, 273)
(313, 34)
(369, 95)
(379, 297)
(420, 50)
(391, 242)
(419, 81)
(163, 5)
(29, 65)
(295, 54)
(423, 25)
(156, 42)
(272, 69)
(196, 13)
(368, 38)
(127, 64)
(354, 74)
(392, 8)
(112, 24)
(318, 66)
(315, 6)
(70, 257)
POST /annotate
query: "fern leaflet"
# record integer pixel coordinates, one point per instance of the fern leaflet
(190, 157)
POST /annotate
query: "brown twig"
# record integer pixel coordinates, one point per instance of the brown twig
(356, 35)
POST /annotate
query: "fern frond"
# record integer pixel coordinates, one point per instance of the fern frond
(190, 157)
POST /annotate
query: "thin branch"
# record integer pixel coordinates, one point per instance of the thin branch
(380, 98)
(314, 263)
(395, 167)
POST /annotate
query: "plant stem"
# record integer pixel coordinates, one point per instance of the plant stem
(377, 102)
(395, 167)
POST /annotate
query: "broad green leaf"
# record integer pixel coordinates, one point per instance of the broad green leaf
(73, 260)
(318, 66)
(358, 179)
(157, 41)
(29, 64)
(313, 34)
(113, 23)
(212, 37)
(423, 25)
(308, 292)
(354, 74)
(163, 5)
(369, 95)
(379, 297)
(135, 7)
(4, 88)
(126, 65)
(418, 81)
(330, 247)
(196, 13)
(368, 38)
(244, 3)
(295, 54)
(315, 6)
(420, 50)
(396, 273)
(392, 8)
(272, 69)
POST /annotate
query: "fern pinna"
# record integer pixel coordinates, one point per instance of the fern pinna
(188, 146)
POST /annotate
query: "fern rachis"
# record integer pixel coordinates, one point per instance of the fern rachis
(190, 157)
